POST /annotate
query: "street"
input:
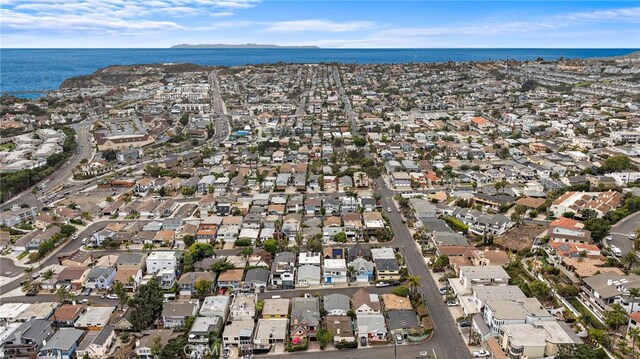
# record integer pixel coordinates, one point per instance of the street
(621, 231)
(446, 338)
(61, 176)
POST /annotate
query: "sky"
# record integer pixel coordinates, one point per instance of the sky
(327, 24)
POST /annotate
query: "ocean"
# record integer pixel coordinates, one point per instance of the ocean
(27, 71)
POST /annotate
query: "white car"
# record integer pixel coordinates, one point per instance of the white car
(382, 284)
(480, 354)
(111, 296)
(389, 209)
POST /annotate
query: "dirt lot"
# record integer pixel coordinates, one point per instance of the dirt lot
(520, 237)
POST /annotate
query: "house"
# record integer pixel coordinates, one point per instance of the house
(341, 328)
(482, 275)
(95, 318)
(576, 202)
(231, 279)
(239, 333)
(243, 306)
(256, 279)
(121, 320)
(216, 306)
(269, 332)
(335, 271)
(174, 314)
(97, 344)
(364, 302)
(161, 260)
(373, 221)
(62, 345)
(371, 328)
(275, 308)
(66, 315)
(131, 278)
(403, 322)
(131, 261)
(603, 290)
(387, 269)
(305, 318)
(498, 312)
(487, 257)
(75, 259)
(145, 345)
(25, 339)
(312, 258)
(100, 278)
(187, 281)
(308, 275)
(568, 230)
(283, 270)
(539, 339)
(336, 304)
(204, 328)
(363, 270)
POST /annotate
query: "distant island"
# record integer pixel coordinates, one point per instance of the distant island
(240, 46)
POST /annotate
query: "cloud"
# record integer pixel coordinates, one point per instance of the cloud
(107, 16)
(317, 25)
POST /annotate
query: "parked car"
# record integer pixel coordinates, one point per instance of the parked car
(444, 290)
(609, 238)
(86, 291)
(382, 284)
(399, 339)
(112, 296)
(464, 324)
(480, 354)
(395, 283)
(452, 303)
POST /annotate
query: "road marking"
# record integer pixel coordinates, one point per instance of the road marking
(434, 353)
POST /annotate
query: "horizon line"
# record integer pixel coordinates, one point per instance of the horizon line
(311, 47)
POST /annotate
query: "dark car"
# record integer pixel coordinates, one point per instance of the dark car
(395, 283)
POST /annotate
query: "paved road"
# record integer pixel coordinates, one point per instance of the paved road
(8, 268)
(446, 339)
(620, 232)
(223, 128)
(62, 175)
(404, 351)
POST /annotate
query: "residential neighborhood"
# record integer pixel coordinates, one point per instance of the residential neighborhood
(428, 210)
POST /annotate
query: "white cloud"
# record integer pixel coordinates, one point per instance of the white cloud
(317, 25)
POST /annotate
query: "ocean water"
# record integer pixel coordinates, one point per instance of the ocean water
(27, 71)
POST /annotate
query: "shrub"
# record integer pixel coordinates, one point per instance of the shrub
(242, 242)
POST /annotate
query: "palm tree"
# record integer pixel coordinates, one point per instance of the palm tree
(28, 271)
(630, 260)
(633, 294)
(63, 294)
(222, 266)
(48, 275)
(413, 282)
(633, 333)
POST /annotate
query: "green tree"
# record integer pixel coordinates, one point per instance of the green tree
(202, 287)
(110, 155)
(188, 240)
(324, 337)
(222, 265)
(615, 317)
(630, 260)
(579, 351)
(146, 304)
(616, 164)
(340, 237)
(48, 275)
(64, 295)
(402, 291)
(184, 119)
(123, 297)
(414, 282)
(539, 289)
(270, 245)
(599, 228)
(200, 250)
(314, 244)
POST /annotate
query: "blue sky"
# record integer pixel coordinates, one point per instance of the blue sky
(339, 24)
